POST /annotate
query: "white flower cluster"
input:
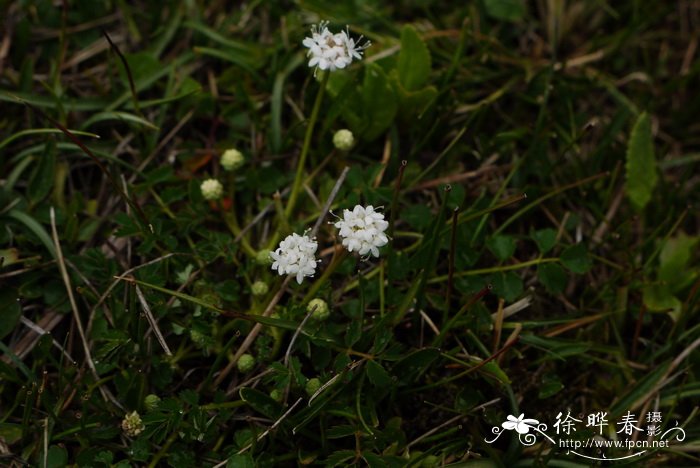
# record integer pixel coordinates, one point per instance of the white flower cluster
(329, 51)
(296, 255)
(362, 230)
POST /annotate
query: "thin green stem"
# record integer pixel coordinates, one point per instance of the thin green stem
(485, 271)
(296, 187)
(335, 262)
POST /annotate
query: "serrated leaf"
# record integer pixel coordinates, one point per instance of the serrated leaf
(414, 60)
(641, 163)
(506, 10)
(576, 259)
(378, 100)
(413, 103)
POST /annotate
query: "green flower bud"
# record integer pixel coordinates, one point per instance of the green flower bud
(263, 258)
(246, 363)
(312, 386)
(259, 288)
(151, 402)
(232, 159)
(132, 424)
(198, 338)
(319, 309)
(212, 189)
(276, 395)
(343, 139)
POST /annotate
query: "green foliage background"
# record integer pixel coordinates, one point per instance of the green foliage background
(539, 165)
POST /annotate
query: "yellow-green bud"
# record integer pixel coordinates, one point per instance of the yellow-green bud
(212, 189)
(151, 402)
(263, 258)
(198, 337)
(276, 395)
(343, 139)
(232, 159)
(312, 386)
(132, 424)
(245, 363)
(259, 288)
(319, 309)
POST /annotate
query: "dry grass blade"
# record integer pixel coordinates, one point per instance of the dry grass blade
(152, 320)
(74, 307)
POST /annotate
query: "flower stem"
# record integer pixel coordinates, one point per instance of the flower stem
(337, 259)
(296, 187)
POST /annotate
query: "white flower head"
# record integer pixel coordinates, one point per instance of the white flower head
(296, 255)
(362, 230)
(212, 189)
(343, 139)
(328, 51)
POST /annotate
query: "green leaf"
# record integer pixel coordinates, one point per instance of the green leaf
(42, 178)
(551, 385)
(502, 247)
(410, 367)
(673, 261)
(413, 103)
(339, 457)
(639, 390)
(545, 239)
(57, 457)
(353, 332)
(8, 257)
(119, 117)
(240, 461)
(576, 259)
(10, 433)
(417, 216)
(36, 228)
(641, 163)
(506, 10)
(377, 374)
(261, 402)
(507, 285)
(658, 298)
(414, 59)
(378, 100)
(552, 276)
